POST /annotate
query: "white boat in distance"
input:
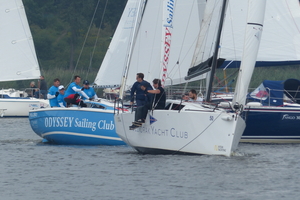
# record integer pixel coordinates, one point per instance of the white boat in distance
(18, 59)
(190, 127)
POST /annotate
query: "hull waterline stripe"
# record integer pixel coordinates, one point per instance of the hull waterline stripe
(271, 110)
(270, 137)
(80, 134)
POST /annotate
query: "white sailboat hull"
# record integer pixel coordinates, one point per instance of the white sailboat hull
(20, 107)
(190, 131)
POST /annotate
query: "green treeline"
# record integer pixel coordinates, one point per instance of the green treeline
(59, 28)
(63, 47)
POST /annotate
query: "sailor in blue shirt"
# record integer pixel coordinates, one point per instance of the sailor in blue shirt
(53, 93)
(139, 93)
(60, 98)
(89, 91)
(75, 88)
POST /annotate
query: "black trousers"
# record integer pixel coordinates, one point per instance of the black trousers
(141, 112)
(74, 100)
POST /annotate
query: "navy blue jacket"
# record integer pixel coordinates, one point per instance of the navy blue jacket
(140, 94)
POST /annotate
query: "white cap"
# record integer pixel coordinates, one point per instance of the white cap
(61, 87)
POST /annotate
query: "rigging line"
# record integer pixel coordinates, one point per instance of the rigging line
(177, 69)
(205, 41)
(186, 28)
(152, 47)
(153, 103)
(176, 66)
(199, 133)
(233, 39)
(84, 42)
(28, 36)
(184, 89)
(230, 75)
(131, 44)
(216, 30)
(292, 16)
(184, 36)
(98, 33)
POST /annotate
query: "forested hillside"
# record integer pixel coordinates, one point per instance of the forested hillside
(59, 28)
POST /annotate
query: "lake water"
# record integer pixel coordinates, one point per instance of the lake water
(32, 170)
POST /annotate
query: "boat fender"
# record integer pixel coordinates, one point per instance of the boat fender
(254, 104)
(226, 104)
(228, 118)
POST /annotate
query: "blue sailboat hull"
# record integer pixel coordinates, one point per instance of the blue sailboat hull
(272, 125)
(75, 126)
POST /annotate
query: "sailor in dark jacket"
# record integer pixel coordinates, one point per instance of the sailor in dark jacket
(140, 96)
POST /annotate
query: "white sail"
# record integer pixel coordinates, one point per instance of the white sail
(148, 48)
(281, 37)
(168, 15)
(176, 129)
(253, 36)
(275, 49)
(208, 32)
(17, 53)
(148, 44)
(117, 55)
(184, 42)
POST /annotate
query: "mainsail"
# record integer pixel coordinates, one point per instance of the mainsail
(281, 16)
(149, 46)
(17, 53)
(280, 44)
(202, 59)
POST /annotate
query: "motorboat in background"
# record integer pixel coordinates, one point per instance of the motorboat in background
(273, 115)
(18, 59)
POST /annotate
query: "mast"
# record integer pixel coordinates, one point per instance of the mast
(215, 55)
(137, 21)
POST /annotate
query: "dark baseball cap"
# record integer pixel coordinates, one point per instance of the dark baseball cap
(86, 82)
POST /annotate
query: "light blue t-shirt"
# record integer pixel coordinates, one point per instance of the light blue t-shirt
(52, 91)
(90, 92)
(60, 99)
(70, 90)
